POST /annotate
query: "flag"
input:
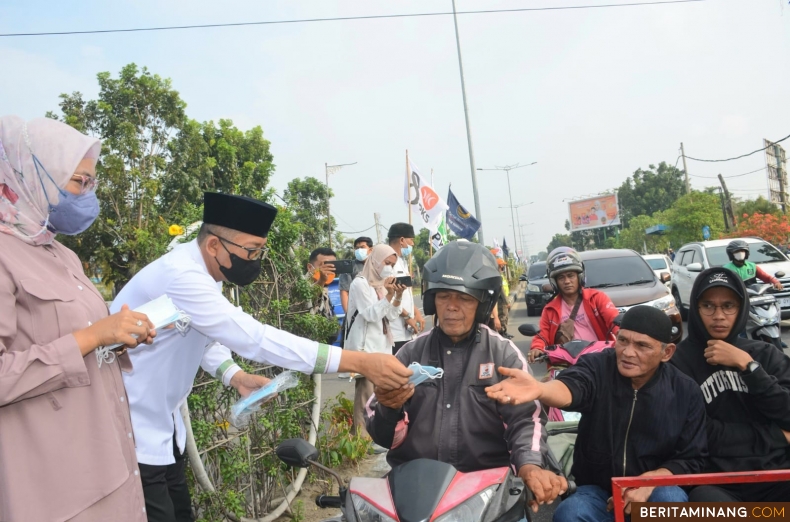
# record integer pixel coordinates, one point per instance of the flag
(505, 249)
(439, 236)
(496, 250)
(461, 222)
(425, 203)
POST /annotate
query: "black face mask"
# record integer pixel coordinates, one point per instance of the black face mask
(242, 272)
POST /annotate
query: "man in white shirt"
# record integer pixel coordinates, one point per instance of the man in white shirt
(411, 322)
(229, 247)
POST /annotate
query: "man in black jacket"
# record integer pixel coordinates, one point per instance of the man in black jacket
(450, 419)
(641, 416)
(746, 388)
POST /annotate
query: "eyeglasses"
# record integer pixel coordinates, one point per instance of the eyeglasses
(253, 254)
(88, 183)
(710, 308)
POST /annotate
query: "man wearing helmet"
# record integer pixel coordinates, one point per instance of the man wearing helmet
(591, 311)
(738, 252)
(450, 418)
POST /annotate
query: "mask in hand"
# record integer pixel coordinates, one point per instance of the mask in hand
(386, 272)
(361, 254)
(423, 373)
(406, 251)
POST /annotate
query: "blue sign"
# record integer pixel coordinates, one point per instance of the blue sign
(333, 289)
(461, 222)
(706, 232)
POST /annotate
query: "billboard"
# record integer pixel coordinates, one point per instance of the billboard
(597, 212)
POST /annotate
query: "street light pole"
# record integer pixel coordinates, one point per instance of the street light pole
(507, 170)
(331, 169)
(468, 132)
(518, 219)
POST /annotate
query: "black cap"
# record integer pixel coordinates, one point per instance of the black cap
(401, 230)
(240, 213)
(650, 321)
(721, 277)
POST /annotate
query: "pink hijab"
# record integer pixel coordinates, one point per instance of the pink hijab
(24, 207)
(372, 270)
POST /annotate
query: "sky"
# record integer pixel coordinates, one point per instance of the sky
(591, 95)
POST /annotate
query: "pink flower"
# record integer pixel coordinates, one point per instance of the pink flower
(9, 194)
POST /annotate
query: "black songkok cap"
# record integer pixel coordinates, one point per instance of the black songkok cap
(650, 321)
(401, 230)
(240, 213)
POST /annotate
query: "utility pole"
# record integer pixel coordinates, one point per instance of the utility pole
(378, 230)
(479, 215)
(724, 211)
(331, 169)
(685, 169)
(728, 202)
(507, 170)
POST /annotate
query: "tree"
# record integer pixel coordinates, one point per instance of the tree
(557, 241)
(634, 236)
(774, 229)
(308, 200)
(542, 256)
(689, 214)
(756, 206)
(649, 191)
(135, 116)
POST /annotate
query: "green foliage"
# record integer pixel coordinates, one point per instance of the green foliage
(557, 241)
(634, 236)
(690, 213)
(542, 256)
(756, 206)
(649, 191)
(308, 199)
(338, 443)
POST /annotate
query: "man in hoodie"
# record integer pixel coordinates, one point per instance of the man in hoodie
(641, 416)
(746, 387)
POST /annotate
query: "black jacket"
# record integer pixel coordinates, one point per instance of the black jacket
(746, 412)
(626, 432)
(451, 419)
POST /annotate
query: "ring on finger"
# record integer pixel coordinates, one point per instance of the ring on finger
(139, 323)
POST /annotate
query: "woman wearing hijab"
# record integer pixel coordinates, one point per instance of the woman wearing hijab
(66, 444)
(746, 387)
(373, 301)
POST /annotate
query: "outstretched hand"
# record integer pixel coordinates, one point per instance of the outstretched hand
(521, 387)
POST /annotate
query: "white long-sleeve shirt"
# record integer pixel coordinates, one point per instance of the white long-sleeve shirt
(164, 371)
(367, 332)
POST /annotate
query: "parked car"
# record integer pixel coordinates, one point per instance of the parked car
(660, 264)
(536, 295)
(629, 281)
(693, 258)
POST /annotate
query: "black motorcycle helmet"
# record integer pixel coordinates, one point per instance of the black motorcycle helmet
(737, 245)
(464, 267)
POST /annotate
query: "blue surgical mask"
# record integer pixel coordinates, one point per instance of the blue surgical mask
(406, 251)
(423, 373)
(74, 213)
(361, 254)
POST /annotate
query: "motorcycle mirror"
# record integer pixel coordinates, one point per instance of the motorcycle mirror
(694, 267)
(528, 329)
(665, 277)
(547, 289)
(297, 453)
(779, 274)
(619, 319)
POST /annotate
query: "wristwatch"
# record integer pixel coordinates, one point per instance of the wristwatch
(751, 368)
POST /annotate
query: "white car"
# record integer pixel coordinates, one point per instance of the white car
(660, 263)
(693, 258)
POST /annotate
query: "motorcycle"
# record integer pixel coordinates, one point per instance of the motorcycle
(764, 315)
(420, 490)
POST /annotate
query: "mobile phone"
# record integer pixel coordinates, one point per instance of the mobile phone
(403, 280)
(342, 266)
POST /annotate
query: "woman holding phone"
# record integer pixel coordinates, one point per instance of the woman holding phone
(374, 300)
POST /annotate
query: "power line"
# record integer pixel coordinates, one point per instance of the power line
(345, 18)
(728, 177)
(741, 156)
(356, 232)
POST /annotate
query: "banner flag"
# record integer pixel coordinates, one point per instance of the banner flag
(505, 249)
(439, 236)
(497, 251)
(425, 203)
(461, 222)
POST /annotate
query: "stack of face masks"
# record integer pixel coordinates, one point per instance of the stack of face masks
(423, 373)
(162, 312)
(241, 411)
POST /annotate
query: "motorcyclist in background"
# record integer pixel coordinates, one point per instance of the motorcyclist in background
(595, 315)
(738, 252)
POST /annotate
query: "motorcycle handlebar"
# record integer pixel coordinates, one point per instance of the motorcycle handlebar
(570, 491)
(329, 501)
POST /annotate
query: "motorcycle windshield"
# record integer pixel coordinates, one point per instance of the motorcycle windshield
(417, 487)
